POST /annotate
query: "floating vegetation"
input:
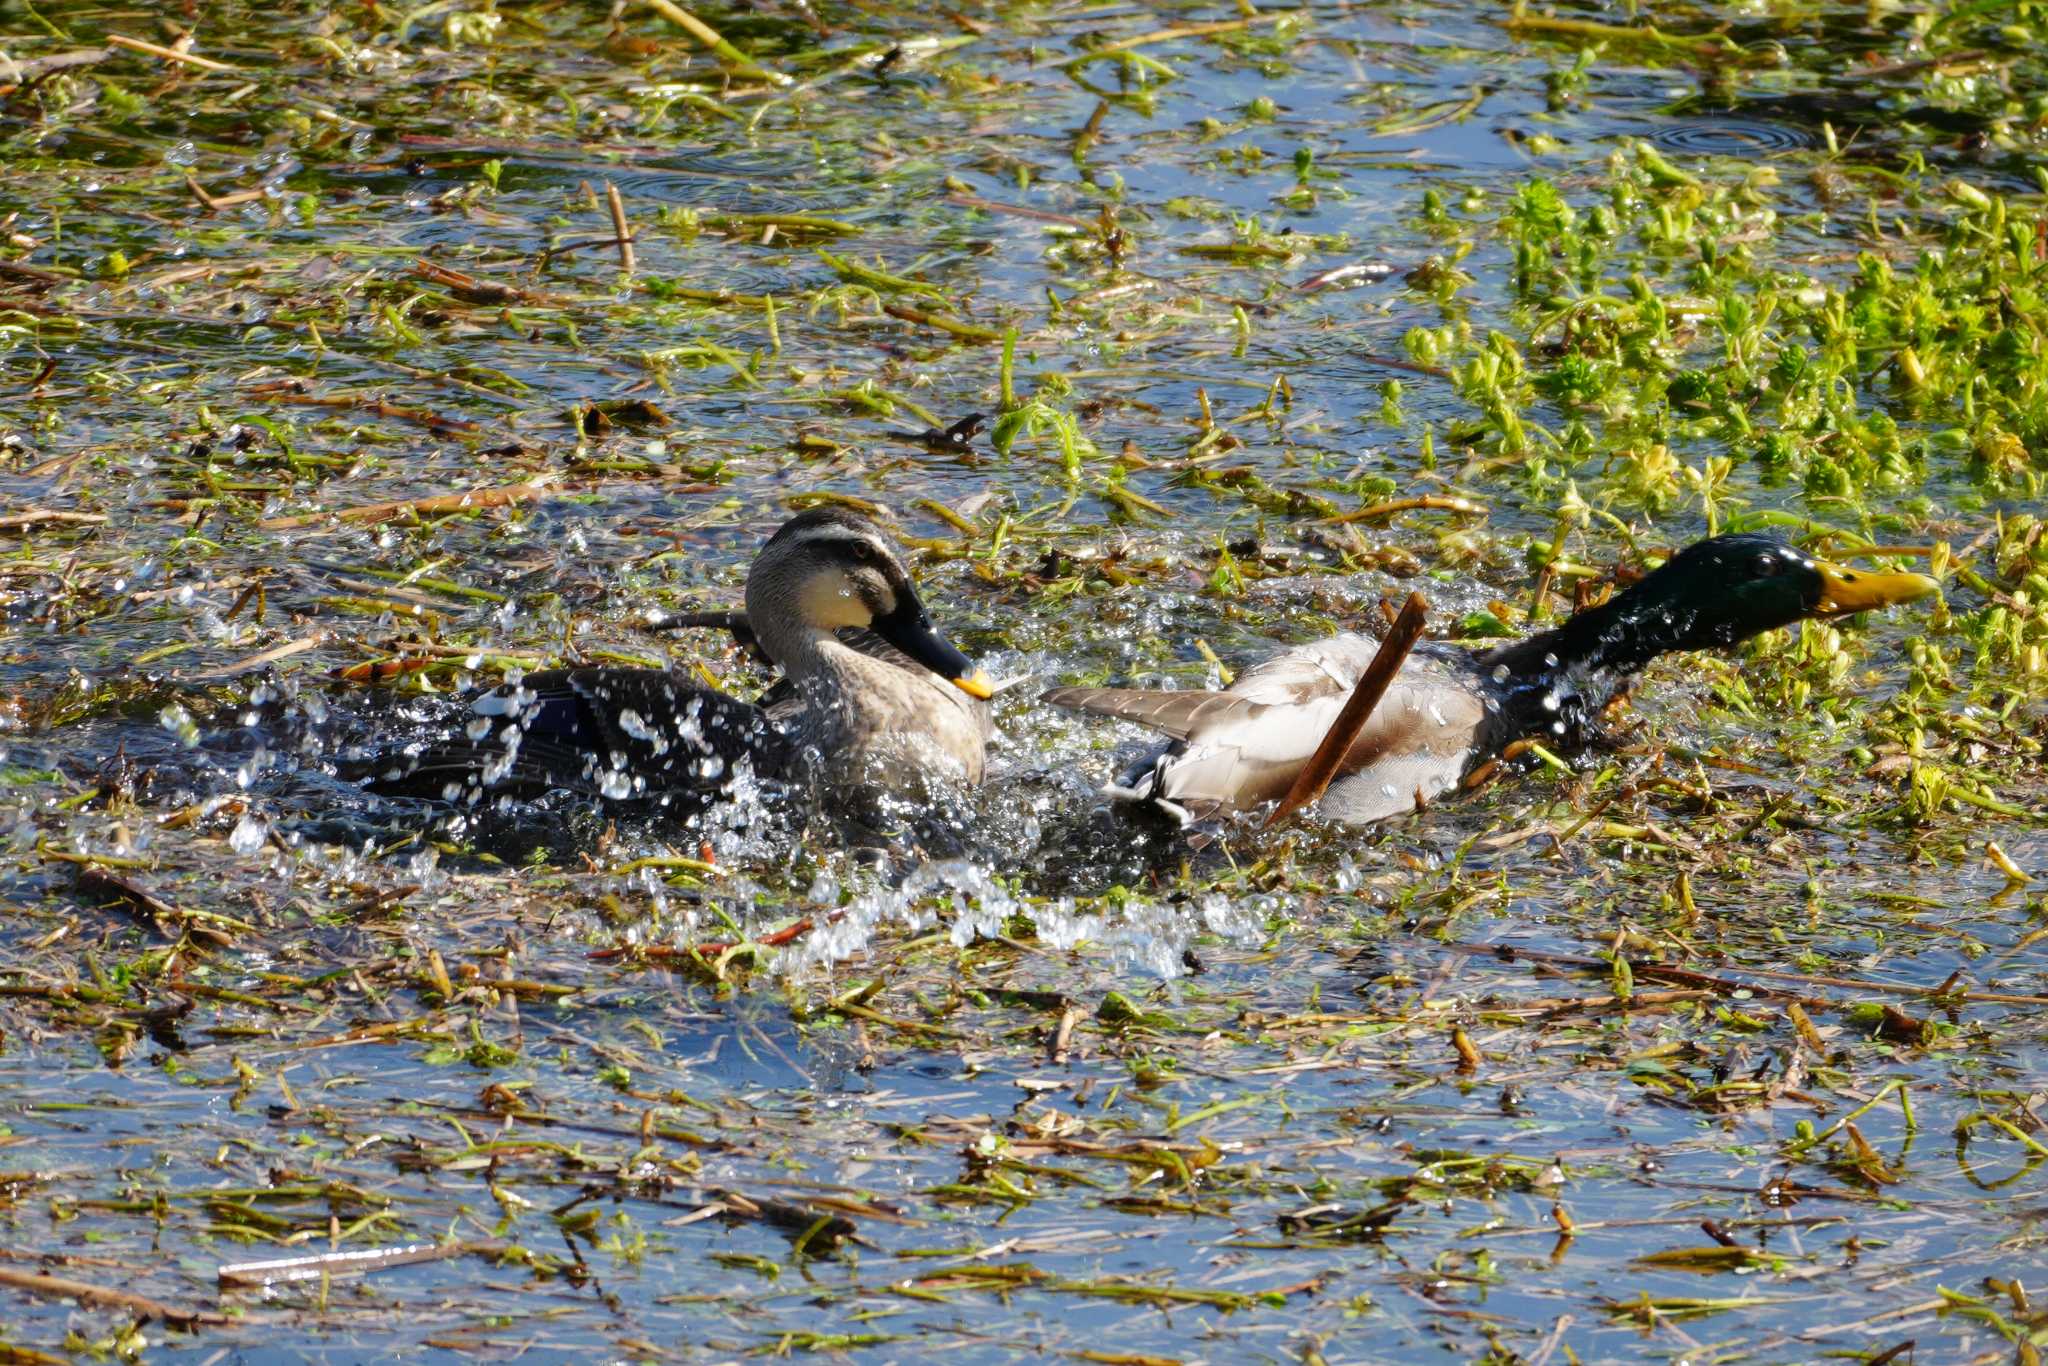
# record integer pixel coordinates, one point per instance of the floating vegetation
(354, 359)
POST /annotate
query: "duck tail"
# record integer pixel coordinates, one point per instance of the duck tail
(1154, 781)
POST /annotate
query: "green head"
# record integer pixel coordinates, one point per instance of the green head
(1712, 593)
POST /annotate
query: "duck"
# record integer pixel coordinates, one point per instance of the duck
(871, 695)
(1450, 710)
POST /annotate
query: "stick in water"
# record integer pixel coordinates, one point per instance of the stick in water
(1322, 766)
(620, 227)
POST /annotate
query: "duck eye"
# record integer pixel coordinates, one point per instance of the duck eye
(863, 552)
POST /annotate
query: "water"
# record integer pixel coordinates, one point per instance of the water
(1073, 1077)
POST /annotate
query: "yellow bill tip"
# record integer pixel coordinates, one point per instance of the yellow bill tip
(976, 684)
(1858, 590)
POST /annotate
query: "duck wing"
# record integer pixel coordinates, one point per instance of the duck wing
(1296, 678)
(619, 733)
(1178, 714)
(1244, 746)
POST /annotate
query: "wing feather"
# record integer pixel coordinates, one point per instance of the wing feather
(1179, 714)
(602, 732)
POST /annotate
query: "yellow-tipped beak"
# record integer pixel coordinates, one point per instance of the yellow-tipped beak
(977, 684)
(1856, 590)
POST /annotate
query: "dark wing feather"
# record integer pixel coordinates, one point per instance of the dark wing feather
(466, 771)
(602, 732)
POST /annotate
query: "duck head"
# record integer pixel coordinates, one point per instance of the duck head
(1729, 588)
(826, 569)
(1714, 592)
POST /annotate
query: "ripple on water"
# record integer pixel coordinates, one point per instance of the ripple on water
(1729, 137)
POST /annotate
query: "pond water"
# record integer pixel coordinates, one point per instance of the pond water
(1721, 1043)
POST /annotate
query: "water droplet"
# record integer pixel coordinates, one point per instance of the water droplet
(248, 835)
(179, 722)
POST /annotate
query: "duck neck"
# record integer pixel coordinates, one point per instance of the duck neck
(1618, 637)
(798, 648)
(1570, 671)
(834, 679)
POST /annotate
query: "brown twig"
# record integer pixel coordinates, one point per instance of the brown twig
(1062, 1038)
(19, 521)
(504, 495)
(953, 326)
(213, 203)
(270, 656)
(1322, 766)
(471, 289)
(169, 54)
(286, 393)
(1429, 502)
(563, 249)
(109, 886)
(142, 1306)
(620, 228)
(1730, 985)
(712, 949)
(968, 201)
(33, 69)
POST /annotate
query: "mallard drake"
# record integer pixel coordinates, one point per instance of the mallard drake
(1450, 710)
(871, 695)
